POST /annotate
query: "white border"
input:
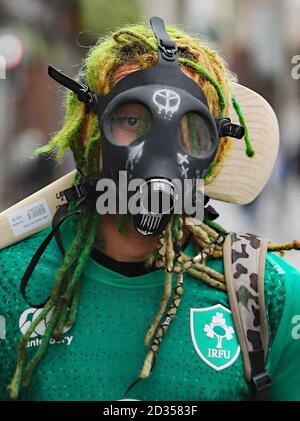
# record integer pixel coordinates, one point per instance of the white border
(196, 310)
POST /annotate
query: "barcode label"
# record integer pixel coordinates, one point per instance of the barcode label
(30, 217)
(37, 211)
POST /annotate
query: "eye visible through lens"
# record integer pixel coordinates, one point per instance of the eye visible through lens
(130, 122)
(194, 134)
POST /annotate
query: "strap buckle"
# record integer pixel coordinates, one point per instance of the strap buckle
(168, 49)
(83, 92)
(227, 128)
(262, 382)
(73, 193)
(85, 188)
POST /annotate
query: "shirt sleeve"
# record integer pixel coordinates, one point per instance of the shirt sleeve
(284, 357)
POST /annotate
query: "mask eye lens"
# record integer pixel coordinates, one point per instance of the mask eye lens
(195, 137)
(130, 122)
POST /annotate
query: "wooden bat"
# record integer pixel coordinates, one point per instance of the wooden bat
(34, 213)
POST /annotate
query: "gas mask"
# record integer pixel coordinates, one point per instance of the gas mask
(155, 126)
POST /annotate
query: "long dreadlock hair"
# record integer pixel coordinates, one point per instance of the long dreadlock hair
(134, 44)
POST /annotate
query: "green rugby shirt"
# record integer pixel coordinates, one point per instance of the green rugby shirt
(199, 357)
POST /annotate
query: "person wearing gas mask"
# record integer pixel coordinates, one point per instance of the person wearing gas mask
(153, 304)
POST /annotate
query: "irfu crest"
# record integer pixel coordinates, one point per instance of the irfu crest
(213, 336)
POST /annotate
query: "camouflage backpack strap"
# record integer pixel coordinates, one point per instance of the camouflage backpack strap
(244, 266)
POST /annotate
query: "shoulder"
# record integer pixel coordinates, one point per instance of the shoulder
(280, 275)
(282, 282)
(282, 291)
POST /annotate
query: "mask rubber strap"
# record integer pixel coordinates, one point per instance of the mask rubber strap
(85, 189)
(167, 49)
(83, 92)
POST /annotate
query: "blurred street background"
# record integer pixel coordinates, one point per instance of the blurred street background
(257, 38)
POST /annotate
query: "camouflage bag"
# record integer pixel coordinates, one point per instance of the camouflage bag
(244, 258)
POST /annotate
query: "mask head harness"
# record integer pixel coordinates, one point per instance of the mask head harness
(156, 126)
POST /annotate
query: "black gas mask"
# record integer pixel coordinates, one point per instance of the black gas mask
(156, 127)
